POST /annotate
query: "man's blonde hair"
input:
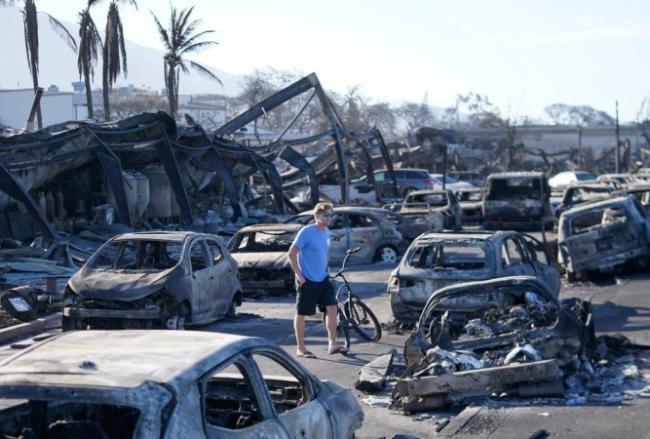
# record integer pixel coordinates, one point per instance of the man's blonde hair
(322, 207)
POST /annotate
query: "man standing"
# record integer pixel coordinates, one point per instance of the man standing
(308, 259)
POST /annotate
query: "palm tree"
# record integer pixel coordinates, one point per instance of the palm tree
(89, 44)
(113, 52)
(30, 23)
(179, 40)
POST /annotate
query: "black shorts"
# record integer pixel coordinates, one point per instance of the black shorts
(313, 293)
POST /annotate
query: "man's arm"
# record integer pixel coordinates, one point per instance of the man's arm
(293, 261)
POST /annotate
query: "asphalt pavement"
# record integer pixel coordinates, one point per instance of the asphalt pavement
(621, 305)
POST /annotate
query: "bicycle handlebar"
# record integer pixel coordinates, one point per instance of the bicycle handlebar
(345, 261)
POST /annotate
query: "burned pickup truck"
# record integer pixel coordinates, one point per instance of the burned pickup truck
(603, 235)
(436, 260)
(261, 252)
(167, 385)
(153, 280)
(501, 335)
(516, 201)
(434, 209)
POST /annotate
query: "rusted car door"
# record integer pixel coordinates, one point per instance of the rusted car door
(543, 263)
(514, 258)
(339, 238)
(223, 281)
(203, 280)
(364, 233)
(294, 401)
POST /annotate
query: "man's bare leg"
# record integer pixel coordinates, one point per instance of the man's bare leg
(331, 311)
(299, 329)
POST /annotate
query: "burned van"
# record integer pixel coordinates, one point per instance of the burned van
(516, 201)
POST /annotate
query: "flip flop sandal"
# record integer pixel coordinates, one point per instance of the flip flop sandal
(338, 350)
(306, 354)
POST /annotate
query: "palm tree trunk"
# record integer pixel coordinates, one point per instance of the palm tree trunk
(89, 92)
(105, 84)
(39, 116)
(171, 86)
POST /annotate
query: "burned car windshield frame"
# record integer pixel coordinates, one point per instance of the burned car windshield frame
(120, 245)
(259, 246)
(424, 251)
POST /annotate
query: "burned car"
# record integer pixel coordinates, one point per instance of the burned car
(162, 384)
(352, 227)
(152, 280)
(516, 201)
(439, 259)
(408, 227)
(580, 193)
(603, 235)
(501, 335)
(471, 203)
(436, 209)
(261, 252)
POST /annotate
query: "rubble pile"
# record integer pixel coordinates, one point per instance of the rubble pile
(519, 350)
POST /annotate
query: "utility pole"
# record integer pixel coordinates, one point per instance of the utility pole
(444, 169)
(618, 144)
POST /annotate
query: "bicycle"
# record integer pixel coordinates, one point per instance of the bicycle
(352, 313)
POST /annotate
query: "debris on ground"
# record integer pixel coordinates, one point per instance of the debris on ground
(372, 376)
(508, 339)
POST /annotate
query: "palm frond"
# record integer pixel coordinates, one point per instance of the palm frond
(193, 39)
(30, 23)
(122, 46)
(62, 31)
(164, 36)
(90, 43)
(196, 46)
(204, 71)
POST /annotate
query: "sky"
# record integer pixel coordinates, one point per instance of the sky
(524, 55)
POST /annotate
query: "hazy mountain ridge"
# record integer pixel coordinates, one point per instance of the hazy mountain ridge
(58, 63)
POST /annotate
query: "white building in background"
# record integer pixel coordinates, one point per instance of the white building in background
(211, 113)
(56, 107)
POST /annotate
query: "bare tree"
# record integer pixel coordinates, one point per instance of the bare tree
(578, 115)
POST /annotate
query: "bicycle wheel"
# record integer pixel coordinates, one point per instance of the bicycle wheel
(342, 327)
(364, 320)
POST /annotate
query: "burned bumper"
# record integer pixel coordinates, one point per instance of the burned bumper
(135, 314)
(259, 281)
(605, 263)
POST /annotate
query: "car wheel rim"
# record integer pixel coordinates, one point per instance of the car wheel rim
(388, 255)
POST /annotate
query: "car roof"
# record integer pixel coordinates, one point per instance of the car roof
(121, 359)
(351, 209)
(158, 235)
(430, 191)
(516, 175)
(596, 204)
(273, 227)
(461, 236)
(408, 169)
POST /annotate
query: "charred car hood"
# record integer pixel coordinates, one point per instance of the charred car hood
(270, 260)
(120, 285)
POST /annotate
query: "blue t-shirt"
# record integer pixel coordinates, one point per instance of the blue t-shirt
(314, 245)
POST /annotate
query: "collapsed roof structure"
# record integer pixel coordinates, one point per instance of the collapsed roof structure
(187, 159)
